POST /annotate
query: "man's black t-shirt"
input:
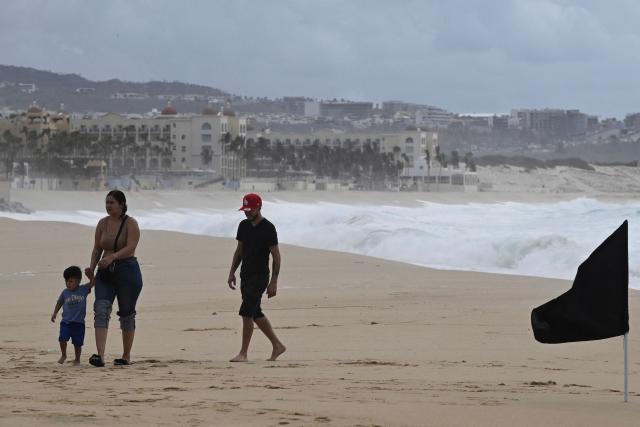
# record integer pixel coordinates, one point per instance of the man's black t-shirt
(256, 241)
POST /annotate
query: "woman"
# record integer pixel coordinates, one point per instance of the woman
(118, 276)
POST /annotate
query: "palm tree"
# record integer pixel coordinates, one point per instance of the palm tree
(442, 161)
(206, 156)
(455, 159)
(10, 144)
(428, 161)
(166, 152)
(469, 162)
(101, 148)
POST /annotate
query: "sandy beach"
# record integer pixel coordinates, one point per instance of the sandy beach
(370, 342)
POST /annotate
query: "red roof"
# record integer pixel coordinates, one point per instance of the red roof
(169, 110)
(209, 111)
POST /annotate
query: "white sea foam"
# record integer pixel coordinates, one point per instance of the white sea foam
(548, 240)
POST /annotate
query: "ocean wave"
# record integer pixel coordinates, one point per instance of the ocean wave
(548, 240)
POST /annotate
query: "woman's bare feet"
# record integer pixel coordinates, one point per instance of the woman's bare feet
(277, 351)
(239, 358)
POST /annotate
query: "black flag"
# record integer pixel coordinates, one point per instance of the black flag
(597, 304)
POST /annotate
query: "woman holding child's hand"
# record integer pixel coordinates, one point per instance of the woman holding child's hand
(116, 238)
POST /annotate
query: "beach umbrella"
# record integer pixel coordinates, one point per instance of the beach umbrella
(597, 305)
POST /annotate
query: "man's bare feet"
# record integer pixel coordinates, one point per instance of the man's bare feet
(239, 358)
(62, 359)
(277, 351)
(76, 362)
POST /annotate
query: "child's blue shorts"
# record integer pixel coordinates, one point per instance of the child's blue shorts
(73, 330)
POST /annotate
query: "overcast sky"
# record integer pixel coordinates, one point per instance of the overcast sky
(466, 56)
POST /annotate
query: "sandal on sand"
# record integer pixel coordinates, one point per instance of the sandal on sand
(120, 362)
(96, 360)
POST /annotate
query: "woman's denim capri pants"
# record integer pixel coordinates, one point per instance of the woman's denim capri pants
(122, 280)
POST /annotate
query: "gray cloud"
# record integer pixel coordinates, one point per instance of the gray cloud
(462, 55)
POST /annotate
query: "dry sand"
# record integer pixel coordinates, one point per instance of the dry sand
(370, 342)
(605, 182)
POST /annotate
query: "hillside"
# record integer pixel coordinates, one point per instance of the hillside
(21, 86)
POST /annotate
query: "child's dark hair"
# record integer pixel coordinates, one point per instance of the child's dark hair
(72, 272)
(120, 198)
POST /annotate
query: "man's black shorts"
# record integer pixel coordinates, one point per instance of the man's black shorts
(252, 289)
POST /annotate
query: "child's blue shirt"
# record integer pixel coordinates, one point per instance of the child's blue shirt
(74, 304)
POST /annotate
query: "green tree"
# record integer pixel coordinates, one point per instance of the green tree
(455, 159)
(206, 155)
(10, 145)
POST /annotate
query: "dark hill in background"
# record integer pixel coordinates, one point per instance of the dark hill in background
(82, 95)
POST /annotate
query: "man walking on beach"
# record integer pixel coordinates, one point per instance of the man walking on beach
(257, 238)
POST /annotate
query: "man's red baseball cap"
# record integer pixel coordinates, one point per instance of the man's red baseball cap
(250, 202)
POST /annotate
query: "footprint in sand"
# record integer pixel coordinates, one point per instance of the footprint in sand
(174, 389)
(369, 362)
(290, 365)
(541, 383)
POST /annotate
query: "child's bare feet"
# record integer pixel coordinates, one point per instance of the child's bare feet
(239, 358)
(277, 351)
(62, 359)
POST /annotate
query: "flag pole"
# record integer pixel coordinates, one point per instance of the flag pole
(624, 343)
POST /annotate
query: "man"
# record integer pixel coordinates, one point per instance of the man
(257, 238)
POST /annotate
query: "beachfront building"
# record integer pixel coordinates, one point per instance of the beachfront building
(35, 126)
(406, 146)
(345, 109)
(551, 122)
(168, 141)
(429, 174)
(433, 117)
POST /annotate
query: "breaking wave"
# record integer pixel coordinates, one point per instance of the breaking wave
(548, 240)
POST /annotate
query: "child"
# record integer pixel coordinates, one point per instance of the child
(73, 301)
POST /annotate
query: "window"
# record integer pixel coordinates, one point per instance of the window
(206, 126)
(206, 137)
(184, 160)
(183, 137)
(184, 149)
